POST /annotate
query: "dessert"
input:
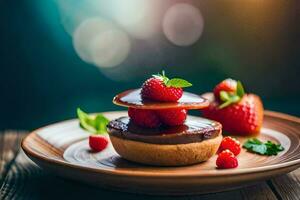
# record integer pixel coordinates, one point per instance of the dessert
(238, 112)
(158, 130)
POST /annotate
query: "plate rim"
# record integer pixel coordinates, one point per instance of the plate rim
(228, 172)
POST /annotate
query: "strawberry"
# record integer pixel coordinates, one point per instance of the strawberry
(98, 143)
(231, 144)
(144, 118)
(226, 160)
(161, 88)
(227, 85)
(172, 117)
(239, 113)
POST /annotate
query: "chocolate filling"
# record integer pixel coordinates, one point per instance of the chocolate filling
(195, 129)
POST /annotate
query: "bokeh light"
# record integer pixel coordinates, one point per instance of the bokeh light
(100, 42)
(110, 48)
(137, 17)
(119, 36)
(85, 33)
(183, 24)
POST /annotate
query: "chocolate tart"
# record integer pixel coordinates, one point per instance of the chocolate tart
(195, 141)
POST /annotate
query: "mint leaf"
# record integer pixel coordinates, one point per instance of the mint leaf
(268, 148)
(174, 82)
(178, 83)
(94, 124)
(240, 89)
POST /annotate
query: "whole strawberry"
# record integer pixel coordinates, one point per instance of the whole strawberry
(239, 113)
(144, 118)
(161, 88)
(172, 117)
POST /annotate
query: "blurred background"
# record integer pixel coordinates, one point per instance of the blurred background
(57, 55)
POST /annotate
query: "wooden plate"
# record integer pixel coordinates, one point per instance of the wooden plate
(63, 149)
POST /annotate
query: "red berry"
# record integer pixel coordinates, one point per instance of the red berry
(228, 85)
(172, 117)
(97, 142)
(231, 144)
(144, 118)
(244, 117)
(155, 89)
(226, 160)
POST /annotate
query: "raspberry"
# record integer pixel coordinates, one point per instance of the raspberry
(231, 144)
(97, 142)
(144, 118)
(155, 89)
(228, 85)
(226, 160)
(172, 117)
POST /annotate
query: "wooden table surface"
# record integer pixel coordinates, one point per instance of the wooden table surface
(21, 179)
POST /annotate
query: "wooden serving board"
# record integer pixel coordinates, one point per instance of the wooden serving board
(63, 149)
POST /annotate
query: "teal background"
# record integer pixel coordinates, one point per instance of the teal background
(42, 80)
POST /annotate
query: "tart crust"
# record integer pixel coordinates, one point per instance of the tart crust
(166, 154)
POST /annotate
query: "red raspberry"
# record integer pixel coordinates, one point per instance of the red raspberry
(144, 118)
(155, 89)
(226, 160)
(231, 144)
(172, 117)
(228, 85)
(97, 142)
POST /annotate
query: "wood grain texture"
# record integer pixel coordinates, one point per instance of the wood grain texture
(9, 146)
(287, 186)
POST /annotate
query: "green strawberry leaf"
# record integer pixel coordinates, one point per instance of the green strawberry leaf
(268, 148)
(93, 124)
(162, 76)
(229, 98)
(224, 96)
(178, 83)
(174, 82)
(240, 89)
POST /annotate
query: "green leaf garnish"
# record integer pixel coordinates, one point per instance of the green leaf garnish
(94, 124)
(229, 98)
(240, 89)
(268, 148)
(174, 82)
(178, 83)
